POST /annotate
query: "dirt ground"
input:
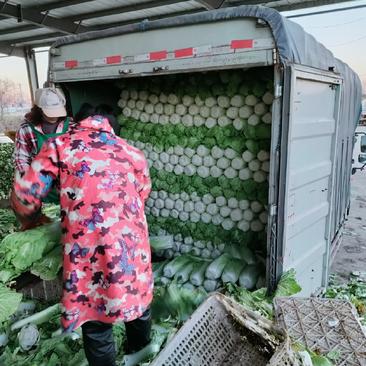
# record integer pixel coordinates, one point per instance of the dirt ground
(351, 255)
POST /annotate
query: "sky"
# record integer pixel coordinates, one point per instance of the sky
(342, 32)
(14, 69)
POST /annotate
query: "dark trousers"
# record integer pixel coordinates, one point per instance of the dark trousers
(99, 342)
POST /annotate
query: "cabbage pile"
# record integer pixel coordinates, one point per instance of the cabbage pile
(7, 169)
(8, 222)
(234, 265)
(206, 137)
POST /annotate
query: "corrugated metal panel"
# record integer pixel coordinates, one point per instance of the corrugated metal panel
(21, 35)
(93, 6)
(90, 7)
(161, 10)
(29, 3)
(8, 23)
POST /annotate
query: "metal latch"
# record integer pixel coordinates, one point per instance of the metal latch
(160, 68)
(124, 71)
(261, 23)
(273, 210)
(55, 51)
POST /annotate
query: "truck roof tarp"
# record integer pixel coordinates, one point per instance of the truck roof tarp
(293, 43)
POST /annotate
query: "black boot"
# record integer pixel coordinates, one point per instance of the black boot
(99, 344)
(138, 333)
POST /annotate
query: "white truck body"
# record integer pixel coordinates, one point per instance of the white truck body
(306, 209)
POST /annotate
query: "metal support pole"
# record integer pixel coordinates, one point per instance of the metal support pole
(30, 61)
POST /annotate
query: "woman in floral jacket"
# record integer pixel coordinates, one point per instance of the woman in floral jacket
(107, 274)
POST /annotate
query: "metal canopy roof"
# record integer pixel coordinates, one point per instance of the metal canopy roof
(34, 23)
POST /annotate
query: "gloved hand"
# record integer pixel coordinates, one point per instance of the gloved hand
(20, 208)
(29, 217)
(27, 224)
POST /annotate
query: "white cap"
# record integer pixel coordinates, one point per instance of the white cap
(51, 101)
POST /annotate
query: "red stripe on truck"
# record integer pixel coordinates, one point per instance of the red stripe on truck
(113, 59)
(158, 55)
(241, 43)
(183, 52)
(70, 64)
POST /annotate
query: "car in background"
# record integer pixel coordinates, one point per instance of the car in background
(5, 139)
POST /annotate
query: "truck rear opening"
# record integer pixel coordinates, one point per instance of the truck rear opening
(207, 138)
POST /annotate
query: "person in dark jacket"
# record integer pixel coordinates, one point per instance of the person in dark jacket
(105, 110)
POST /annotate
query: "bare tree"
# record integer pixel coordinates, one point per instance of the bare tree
(9, 93)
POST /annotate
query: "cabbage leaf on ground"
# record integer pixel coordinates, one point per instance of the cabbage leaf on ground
(20, 250)
(9, 302)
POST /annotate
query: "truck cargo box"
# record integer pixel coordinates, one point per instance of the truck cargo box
(235, 53)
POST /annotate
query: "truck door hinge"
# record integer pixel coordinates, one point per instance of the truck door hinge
(278, 91)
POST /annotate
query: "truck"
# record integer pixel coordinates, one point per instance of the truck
(313, 112)
(359, 150)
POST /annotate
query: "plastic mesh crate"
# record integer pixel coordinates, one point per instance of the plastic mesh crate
(324, 325)
(221, 332)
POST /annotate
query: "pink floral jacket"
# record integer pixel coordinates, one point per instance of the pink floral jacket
(104, 183)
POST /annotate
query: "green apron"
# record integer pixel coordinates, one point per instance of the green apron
(53, 196)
